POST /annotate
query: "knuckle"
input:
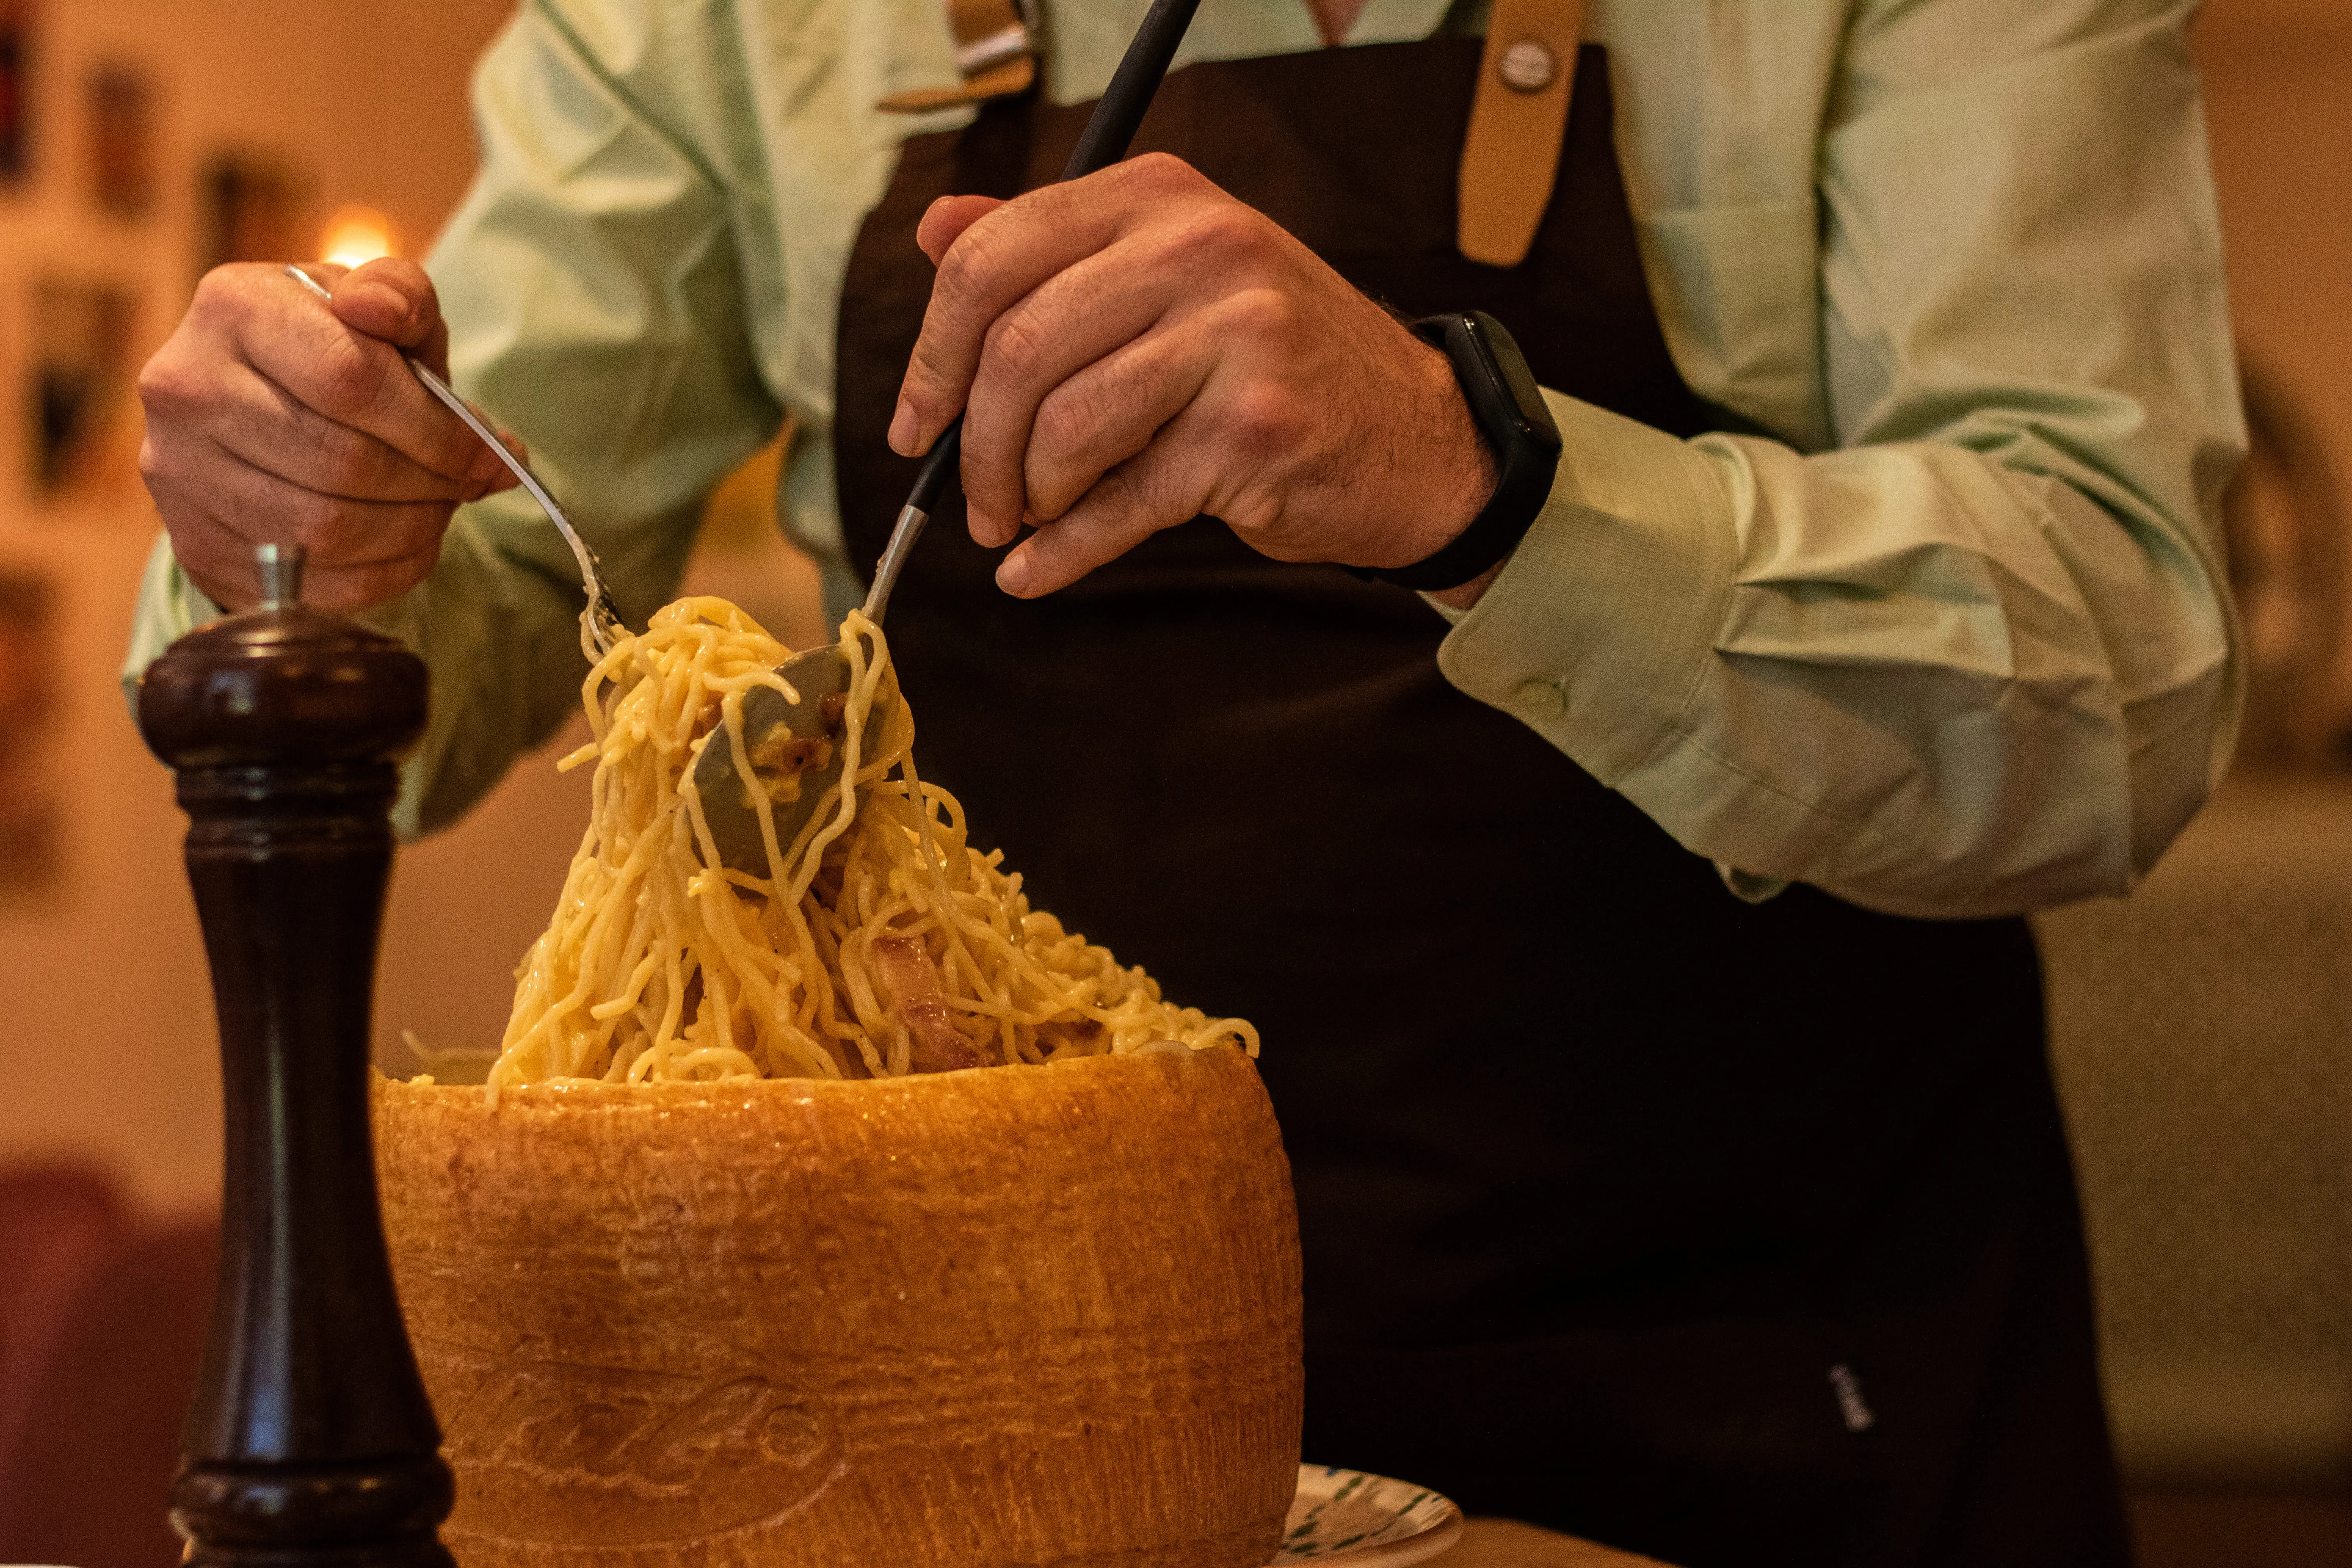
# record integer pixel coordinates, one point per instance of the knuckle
(1263, 420)
(927, 375)
(400, 273)
(1063, 424)
(212, 556)
(1015, 348)
(1229, 225)
(351, 379)
(232, 298)
(228, 288)
(409, 573)
(163, 386)
(1225, 233)
(965, 268)
(217, 284)
(209, 558)
(322, 524)
(220, 590)
(157, 467)
(355, 587)
(176, 382)
(1147, 493)
(989, 479)
(346, 460)
(1260, 315)
(1160, 172)
(171, 470)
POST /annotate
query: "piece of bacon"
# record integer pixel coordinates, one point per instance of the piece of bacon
(910, 988)
(784, 752)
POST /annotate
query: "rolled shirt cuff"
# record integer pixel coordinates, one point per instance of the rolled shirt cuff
(1599, 627)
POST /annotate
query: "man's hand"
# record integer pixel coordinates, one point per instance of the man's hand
(1136, 347)
(274, 418)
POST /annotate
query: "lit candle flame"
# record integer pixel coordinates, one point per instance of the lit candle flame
(357, 235)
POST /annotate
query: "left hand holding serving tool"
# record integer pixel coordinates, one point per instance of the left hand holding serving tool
(823, 673)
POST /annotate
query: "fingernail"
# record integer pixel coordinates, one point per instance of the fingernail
(904, 429)
(1012, 573)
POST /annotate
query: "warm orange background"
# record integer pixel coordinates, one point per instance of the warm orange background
(106, 1043)
(107, 1046)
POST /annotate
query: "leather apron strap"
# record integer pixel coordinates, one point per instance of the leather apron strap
(1511, 153)
(996, 55)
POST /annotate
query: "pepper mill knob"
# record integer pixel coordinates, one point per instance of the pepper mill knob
(309, 1439)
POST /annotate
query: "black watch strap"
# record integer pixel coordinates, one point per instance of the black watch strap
(1511, 414)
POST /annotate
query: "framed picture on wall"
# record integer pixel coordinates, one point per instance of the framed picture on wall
(122, 137)
(249, 208)
(16, 72)
(78, 377)
(28, 805)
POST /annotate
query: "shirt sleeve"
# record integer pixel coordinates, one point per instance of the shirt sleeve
(595, 305)
(1979, 659)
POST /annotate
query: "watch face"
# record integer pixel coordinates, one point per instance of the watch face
(1509, 369)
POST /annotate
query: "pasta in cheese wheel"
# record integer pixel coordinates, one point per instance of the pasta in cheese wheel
(879, 944)
(735, 1261)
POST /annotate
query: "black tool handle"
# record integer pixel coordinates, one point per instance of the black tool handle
(938, 469)
(1110, 131)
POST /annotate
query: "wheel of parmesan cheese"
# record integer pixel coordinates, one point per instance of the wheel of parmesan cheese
(970, 1319)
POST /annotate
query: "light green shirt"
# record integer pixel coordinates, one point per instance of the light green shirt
(1950, 638)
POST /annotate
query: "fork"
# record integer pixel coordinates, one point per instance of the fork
(600, 627)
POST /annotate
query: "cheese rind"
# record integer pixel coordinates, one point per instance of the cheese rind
(998, 1317)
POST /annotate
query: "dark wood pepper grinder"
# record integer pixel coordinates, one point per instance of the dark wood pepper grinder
(310, 1440)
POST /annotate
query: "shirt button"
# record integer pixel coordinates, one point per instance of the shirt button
(1543, 699)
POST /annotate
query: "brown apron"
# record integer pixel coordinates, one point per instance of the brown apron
(1732, 1234)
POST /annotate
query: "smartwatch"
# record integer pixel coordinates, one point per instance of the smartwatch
(1509, 411)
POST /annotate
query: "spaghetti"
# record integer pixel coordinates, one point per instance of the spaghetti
(880, 943)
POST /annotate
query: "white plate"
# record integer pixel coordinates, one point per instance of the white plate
(1371, 1522)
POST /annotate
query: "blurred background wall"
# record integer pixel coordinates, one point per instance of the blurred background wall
(107, 1049)
(2203, 1029)
(310, 110)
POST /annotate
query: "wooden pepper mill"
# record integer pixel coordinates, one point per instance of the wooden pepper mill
(310, 1440)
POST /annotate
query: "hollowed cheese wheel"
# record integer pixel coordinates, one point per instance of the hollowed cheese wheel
(1005, 1316)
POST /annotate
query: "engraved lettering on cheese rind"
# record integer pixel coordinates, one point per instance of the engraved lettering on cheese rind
(551, 1445)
